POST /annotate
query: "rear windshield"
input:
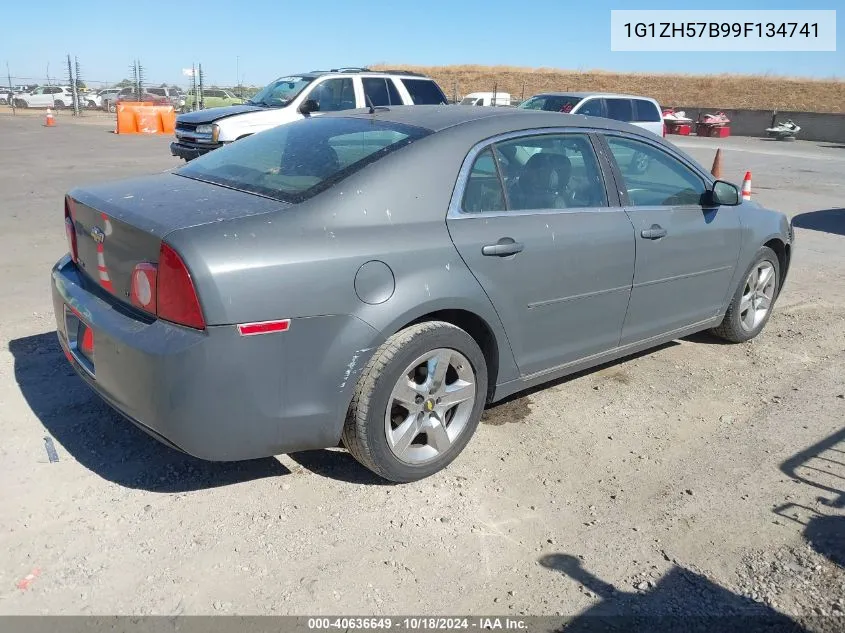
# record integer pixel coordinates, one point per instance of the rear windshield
(551, 103)
(424, 92)
(296, 161)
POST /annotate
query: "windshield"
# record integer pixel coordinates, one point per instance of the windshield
(281, 92)
(296, 161)
(551, 103)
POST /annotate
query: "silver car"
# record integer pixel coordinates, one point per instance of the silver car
(379, 277)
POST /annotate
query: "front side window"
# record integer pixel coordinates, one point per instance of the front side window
(551, 103)
(553, 171)
(296, 161)
(654, 178)
(334, 94)
(424, 92)
(280, 92)
(592, 107)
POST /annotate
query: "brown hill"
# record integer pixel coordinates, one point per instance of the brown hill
(764, 92)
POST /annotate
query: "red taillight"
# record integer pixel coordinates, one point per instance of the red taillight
(70, 228)
(143, 289)
(176, 296)
(166, 290)
(87, 345)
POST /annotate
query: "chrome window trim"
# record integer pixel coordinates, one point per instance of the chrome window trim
(456, 211)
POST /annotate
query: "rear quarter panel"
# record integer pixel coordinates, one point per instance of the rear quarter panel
(302, 261)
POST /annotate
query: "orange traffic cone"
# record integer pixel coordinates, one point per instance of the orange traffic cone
(746, 186)
(716, 170)
(50, 121)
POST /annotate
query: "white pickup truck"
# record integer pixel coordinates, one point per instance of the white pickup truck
(288, 98)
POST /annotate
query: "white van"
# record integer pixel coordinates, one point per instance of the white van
(643, 112)
(487, 99)
(290, 98)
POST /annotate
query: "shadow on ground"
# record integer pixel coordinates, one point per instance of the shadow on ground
(104, 442)
(821, 466)
(826, 220)
(681, 600)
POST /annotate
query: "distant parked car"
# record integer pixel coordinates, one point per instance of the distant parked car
(175, 99)
(486, 99)
(643, 112)
(131, 94)
(107, 98)
(212, 98)
(57, 97)
(293, 97)
(242, 306)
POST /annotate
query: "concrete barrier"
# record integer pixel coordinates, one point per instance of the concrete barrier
(815, 126)
(137, 117)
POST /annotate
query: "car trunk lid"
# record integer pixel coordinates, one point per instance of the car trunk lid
(122, 224)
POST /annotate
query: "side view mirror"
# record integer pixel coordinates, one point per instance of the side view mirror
(723, 194)
(308, 106)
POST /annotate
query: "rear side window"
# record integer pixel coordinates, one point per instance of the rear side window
(380, 91)
(646, 111)
(334, 95)
(619, 109)
(296, 161)
(484, 188)
(424, 92)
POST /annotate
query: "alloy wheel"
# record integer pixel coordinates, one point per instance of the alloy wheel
(757, 295)
(430, 406)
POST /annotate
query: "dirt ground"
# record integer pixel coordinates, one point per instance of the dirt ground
(697, 479)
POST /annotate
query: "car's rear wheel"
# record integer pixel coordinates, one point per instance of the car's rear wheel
(59, 105)
(751, 305)
(20, 103)
(418, 402)
(92, 104)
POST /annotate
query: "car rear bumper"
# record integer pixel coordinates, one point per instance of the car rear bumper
(215, 394)
(190, 152)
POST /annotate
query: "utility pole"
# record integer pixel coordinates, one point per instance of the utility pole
(238, 73)
(11, 94)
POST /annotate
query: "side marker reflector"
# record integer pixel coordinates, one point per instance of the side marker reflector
(263, 327)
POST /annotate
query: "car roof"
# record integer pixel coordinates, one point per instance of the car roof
(313, 74)
(440, 117)
(583, 95)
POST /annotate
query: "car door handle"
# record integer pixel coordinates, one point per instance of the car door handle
(654, 233)
(504, 247)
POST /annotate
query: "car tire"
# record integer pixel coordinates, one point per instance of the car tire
(59, 105)
(434, 433)
(112, 107)
(92, 105)
(20, 103)
(752, 303)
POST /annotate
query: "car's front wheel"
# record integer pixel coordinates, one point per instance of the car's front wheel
(59, 105)
(418, 402)
(751, 305)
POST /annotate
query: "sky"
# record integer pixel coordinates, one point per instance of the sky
(257, 40)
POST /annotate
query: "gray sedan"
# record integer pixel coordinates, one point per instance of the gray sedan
(379, 277)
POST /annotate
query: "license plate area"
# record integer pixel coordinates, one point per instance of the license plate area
(80, 340)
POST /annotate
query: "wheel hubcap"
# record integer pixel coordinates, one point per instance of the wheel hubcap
(430, 406)
(757, 295)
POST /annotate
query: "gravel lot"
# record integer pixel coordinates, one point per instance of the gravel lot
(700, 478)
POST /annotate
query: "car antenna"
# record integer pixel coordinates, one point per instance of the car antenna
(372, 107)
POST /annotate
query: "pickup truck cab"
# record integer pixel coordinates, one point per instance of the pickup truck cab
(487, 99)
(280, 102)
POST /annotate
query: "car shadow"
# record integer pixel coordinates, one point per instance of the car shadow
(826, 220)
(821, 466)
(339, 465)
(103, 441)
(680, 600)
